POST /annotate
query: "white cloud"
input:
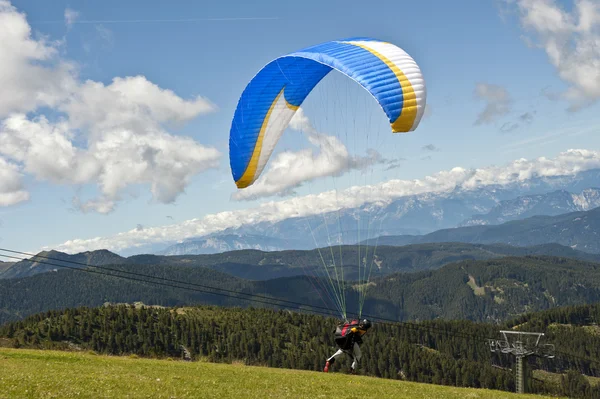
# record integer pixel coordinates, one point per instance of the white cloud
(110, 135)
(115, 158)
(301, 123)
(498, 102)
(99, 205)
(571, 41)
(289, 170)
(11, 187)
(70, 17)
(519, 171)
(164, 161)
(132, 102)
(31, 74)
(45, 150)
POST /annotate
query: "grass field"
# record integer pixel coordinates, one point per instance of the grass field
(54, 374)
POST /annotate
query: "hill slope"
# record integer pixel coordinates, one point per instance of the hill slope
(493, 290)
(4, 266)
(98, 376)
(38, 265)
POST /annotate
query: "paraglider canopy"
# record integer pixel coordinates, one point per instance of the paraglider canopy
(272, 97)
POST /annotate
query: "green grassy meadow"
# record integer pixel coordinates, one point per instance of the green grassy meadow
(56, 374)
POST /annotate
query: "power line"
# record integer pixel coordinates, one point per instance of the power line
(270, 302)
(137, 274)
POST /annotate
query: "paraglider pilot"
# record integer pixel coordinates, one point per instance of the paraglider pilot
(348, 337)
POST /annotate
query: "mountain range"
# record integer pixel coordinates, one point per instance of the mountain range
(549, 204)
(411, 215)
(577, 230)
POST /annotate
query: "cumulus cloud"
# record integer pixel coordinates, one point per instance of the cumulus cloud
(497, 102)
(31, 75)
(11, 186)
(115, 158)
(517, 172)
(45, 149)
(98, 205)
(290, 169)
(571, 41)
(111, 135)
(132, 102)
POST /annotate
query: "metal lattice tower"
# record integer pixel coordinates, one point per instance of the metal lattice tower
(521, 345)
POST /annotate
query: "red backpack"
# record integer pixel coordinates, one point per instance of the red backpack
(342, 330)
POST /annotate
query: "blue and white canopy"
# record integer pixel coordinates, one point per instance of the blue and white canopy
(272, 97)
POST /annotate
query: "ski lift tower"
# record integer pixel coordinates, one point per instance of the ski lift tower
(521, 345)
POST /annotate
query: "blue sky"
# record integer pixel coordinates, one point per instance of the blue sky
(457, 45)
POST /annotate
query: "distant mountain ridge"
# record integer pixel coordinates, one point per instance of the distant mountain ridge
(42, 262)
(577, 230)
(265, 265)
(549, 204)
(231, 242)
(409, 215)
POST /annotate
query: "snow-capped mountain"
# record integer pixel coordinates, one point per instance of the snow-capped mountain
(551, 204)
(410, 215)
(230, 242)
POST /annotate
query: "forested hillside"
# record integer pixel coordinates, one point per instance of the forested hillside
(485, 290)
(492, 290)
(261, 265)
